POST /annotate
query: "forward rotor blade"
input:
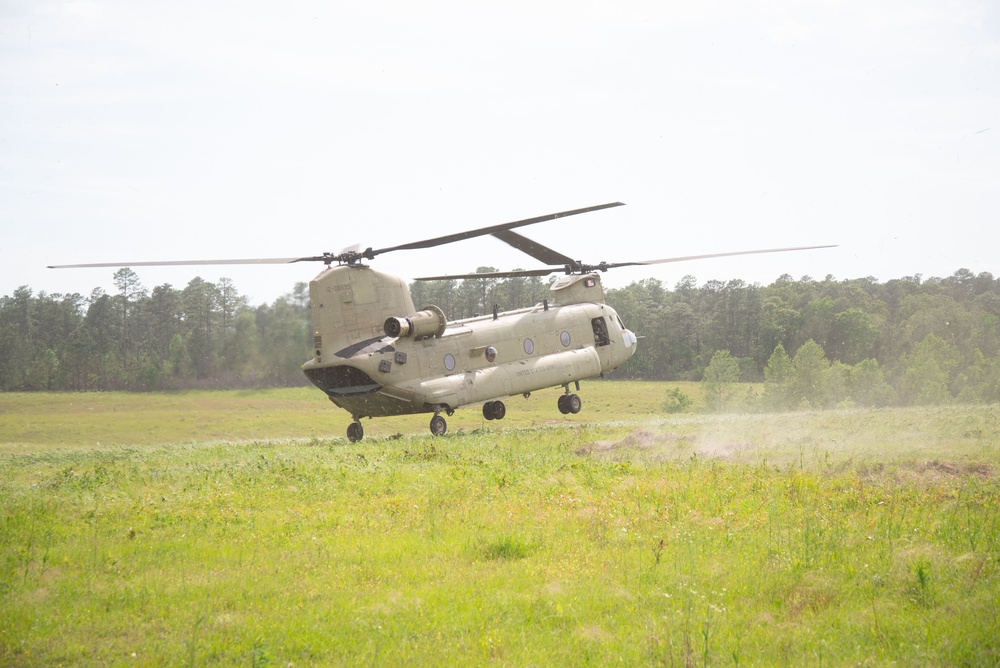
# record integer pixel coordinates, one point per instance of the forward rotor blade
(172, 263)
(493, 229)
(614, 265)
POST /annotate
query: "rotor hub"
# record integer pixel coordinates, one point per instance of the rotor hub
(351, 258)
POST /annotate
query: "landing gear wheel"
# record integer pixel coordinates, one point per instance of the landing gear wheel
(355, 432)
(570, 403)
(438, 425)
(494, 410)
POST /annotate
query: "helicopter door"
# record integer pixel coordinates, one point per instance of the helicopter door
(601, 336)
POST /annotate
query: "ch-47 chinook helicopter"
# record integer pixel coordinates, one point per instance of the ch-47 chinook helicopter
(376, 355)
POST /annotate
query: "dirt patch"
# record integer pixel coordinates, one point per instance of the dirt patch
(925, 473)
(943, 468)
(641, 439)
(977, 469)
(687, 444)
(938, 470)
(724, 449)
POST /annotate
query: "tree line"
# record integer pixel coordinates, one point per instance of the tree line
(810, 342)
(822, 342)
(204, 335)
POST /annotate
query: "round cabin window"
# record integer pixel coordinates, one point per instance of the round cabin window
(491, 354)
(564, 337)
(529, 346)
(449, 362)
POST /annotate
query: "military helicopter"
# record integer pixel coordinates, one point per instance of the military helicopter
(376, 355)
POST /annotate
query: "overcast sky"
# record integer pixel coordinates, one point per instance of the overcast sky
(187, 130)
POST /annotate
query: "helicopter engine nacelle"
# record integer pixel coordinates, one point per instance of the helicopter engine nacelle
(422, 325)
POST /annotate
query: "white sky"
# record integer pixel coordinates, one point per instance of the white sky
(187, 130)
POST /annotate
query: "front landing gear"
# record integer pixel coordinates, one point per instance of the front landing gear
(355, 432)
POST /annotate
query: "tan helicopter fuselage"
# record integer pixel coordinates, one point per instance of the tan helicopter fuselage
(418, 362)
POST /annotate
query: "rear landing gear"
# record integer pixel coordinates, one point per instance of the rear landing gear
(494, 410)
(355, 432)
(570, 403)
(438, 425)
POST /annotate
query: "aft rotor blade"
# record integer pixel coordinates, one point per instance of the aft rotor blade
(574, 267)
(533, 248)
(685, 258)
(493, 229)
(172, 263)
(495, 274)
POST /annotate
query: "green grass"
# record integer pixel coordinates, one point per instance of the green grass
(619, 535)
(96, 419)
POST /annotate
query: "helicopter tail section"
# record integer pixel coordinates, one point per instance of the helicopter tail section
(351, 304)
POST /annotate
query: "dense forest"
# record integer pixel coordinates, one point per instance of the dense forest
(204, 335)
(811, 342)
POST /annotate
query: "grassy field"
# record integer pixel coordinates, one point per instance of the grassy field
(67, 420)
(242, 528)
